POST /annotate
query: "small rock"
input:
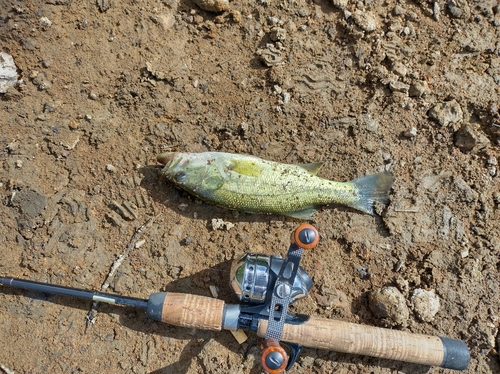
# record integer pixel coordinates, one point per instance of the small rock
(411, 133)
(44, 21)
(492, 160)
(273, 20)
(8, 72)
(425, 304)
(419, 89)
(389, 303)
(459, 9)
(103, 5)
(368, 122)
(469, 138)
(30, 202)
(340, 4)
(398, 10)
(110, 168)
(446, 113)
(278, 34)
(399, 69)
(304, 12)
(213, 5)
(286, 97)
(219, 224)
(397, 86)
(365, 20)
(41, 81)
(468, 194)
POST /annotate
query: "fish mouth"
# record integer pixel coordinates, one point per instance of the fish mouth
(165, 158)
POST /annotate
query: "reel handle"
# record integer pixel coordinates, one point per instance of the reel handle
(274, 358)
(305, 236)
(365, 340)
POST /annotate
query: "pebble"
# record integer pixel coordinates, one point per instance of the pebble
(8, 72)
(399, 69)
(419, 89)
(44, 21)
(286, 97)
(459, 9)
(40, 81)
(278, 34)
(103, 5)
(425, 304)
(389, 303)
(220, 224)
(365, 20)
(140, 243)
(273, 21)
(340, 4)
(213, 5)
(398, 10)
(397, 86)
(446, 113)
(368, 122)
(496, 197)
(110, 168)
(469, 138)
(411, 132)
(492, 160)
(304, 12)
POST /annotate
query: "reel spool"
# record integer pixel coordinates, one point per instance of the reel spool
(253, 277)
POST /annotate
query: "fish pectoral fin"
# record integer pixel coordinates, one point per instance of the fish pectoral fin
(312, 168)
(250, 168)
(306, 213)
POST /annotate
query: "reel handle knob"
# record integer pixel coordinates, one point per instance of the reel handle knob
(274, 357)
(306, 236)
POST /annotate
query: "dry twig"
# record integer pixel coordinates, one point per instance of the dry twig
(92, 315)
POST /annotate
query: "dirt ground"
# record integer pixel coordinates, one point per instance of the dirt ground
(103, 87)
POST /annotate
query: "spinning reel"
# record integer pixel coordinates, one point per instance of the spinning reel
(266, 286)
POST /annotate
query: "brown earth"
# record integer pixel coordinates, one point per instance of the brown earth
(407, 86)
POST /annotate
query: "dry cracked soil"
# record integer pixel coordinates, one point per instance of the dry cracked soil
(92, 91)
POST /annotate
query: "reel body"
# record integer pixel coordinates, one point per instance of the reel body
(267, 286)
(253, 277)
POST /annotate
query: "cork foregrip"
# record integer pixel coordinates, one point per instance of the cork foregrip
(348, 337)
(193, 311)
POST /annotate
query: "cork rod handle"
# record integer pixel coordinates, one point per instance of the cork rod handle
(186, 310)
(348, 337)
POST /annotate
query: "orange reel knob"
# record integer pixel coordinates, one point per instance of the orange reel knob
(274, 358)
(306, 236)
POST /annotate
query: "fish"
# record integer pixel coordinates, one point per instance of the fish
(251, 184)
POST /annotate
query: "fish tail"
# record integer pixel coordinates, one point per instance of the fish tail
(371, 189)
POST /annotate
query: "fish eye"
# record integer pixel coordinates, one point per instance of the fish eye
(180, 177)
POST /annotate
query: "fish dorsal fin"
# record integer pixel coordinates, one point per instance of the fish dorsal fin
(312, 168)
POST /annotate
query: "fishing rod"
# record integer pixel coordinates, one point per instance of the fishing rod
(266, 286)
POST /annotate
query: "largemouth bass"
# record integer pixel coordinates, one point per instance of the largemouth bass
(251, 184)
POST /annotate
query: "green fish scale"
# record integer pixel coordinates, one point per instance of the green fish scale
(279, 188)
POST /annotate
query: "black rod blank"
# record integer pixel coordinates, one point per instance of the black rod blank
(75, 292)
